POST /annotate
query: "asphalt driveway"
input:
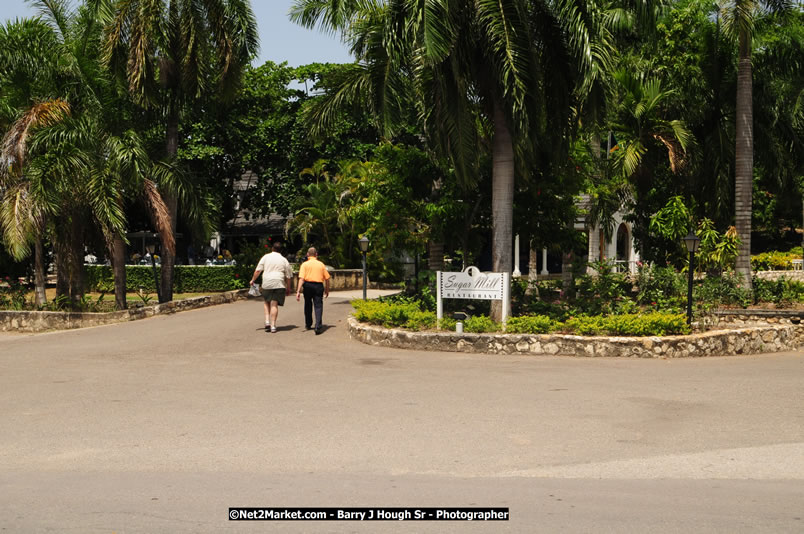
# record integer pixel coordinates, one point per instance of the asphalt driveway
(160, 425)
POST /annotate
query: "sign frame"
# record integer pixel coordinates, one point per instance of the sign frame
(472, 283)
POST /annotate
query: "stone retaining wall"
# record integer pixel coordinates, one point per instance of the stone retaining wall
(341, 279)
(755, 340)
(749, 317)
(39, 321)
(798, 276)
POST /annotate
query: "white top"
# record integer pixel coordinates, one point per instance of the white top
(275, 269)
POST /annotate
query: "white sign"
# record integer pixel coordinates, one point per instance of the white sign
(473, 284)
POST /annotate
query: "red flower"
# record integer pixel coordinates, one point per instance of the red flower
(237, 276)
(265, 246)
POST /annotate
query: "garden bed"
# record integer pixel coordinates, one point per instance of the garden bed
(751, 340)
(40, 321)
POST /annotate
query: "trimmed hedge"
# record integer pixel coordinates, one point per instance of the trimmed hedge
(530, 324)
(648, 324)
(409, 315)
(186, 278)
(393, 314)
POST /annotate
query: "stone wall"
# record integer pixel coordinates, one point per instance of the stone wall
(39, 321)
(753, 340)
(341, 279)
(798, 276)
(755, 317)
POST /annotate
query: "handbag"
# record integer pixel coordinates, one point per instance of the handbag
(254, 290)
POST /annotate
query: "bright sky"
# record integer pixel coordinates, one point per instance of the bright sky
(280, 39)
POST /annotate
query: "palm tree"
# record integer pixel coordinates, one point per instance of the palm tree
(70, 163)
(510, 68)
(22, 218)
(28, 68)
(739, 17)
(170, 53)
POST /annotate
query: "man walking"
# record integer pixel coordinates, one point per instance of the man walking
(276, 280)
(314, 281)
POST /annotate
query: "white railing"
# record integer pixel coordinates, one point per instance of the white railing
(625, 266)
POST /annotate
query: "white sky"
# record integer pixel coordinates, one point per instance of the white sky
(280, 39)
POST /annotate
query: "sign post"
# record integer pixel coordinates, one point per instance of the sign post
(473, 284)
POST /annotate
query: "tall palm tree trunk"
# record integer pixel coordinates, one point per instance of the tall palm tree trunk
(62, 271)
(40, 278)
(435, 255)
(502, 200)
(168, 258)
(533, 269)
(744, 159)
(76, 255)
(119, 268)
(61, 253)
(567, 260)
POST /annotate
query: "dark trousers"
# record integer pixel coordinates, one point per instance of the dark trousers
(313, 297)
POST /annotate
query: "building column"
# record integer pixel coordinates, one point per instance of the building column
(516, 273)
(544, 262)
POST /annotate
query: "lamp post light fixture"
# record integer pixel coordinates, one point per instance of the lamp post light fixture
(151, 248)
(691, 241)
(364, 244)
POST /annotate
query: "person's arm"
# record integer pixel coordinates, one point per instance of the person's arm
(288, 278)
(299, 286)
(254, 278)
(326, 287)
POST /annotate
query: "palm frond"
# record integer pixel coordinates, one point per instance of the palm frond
(159, 215)
(15, 142)
(18, 215)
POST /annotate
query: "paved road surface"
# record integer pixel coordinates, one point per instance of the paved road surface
(162, 424)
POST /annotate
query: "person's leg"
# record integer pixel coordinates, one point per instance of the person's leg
(274, 313)
(318, 301)
(308, 306)
(267, 306)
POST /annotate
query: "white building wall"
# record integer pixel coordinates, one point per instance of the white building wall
(610, 246)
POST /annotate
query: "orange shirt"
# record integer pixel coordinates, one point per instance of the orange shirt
(313, 271)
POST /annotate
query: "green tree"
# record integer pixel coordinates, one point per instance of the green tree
(74, 157)
(739, 17)
(511, 65)
(170, 53)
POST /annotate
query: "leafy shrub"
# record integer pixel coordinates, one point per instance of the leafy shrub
(421, 320)
(447, 323)
(717, 252)
(626, 306)
(530, 324)
(410, 315)
(658, 284)
(12, 295)
(598, 294)
(557, 311)
(781, 292)
(723, 290)
(775, 260)
(387, 314)
(584, 325)
(481, 323)
(650, 324)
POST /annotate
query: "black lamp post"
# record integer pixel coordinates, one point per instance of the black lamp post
(151, 248)
(691, 241)
(364, 243)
